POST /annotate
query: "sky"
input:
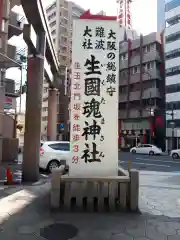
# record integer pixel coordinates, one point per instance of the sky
(144, 11)
(144, 19)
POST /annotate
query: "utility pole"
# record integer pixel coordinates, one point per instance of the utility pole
(172, 125)
(151, 114)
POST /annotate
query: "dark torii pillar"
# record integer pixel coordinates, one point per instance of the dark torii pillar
(35, 77)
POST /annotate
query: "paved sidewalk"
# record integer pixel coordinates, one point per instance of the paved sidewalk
(24, 214)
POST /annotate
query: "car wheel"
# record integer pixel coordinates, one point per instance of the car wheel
(151, 153)
(175, 156)
(133, 151)
(52, 165)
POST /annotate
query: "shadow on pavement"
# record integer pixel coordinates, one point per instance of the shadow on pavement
(25, 214)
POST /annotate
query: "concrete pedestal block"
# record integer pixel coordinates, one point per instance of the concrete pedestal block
(55, 187)
(134, 190)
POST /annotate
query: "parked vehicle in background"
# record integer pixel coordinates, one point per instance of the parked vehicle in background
(53, 154)
(146, 149)
(175, 154)
(21, 147)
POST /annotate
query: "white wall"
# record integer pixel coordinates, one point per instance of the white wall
(172, 46)
(173, 79)
(173, 62)
(169, 132)
(173, 97)
(172, 29)
(172, 13)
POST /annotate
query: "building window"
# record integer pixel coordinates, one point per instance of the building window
(58, 99)
(173, 37)
(65, 4)
(64, 58)
(135, 52)
(46, 89)
(51, 7)
(123, 56)
(173, 71)
(123, 89)
(176, 123)
(64, 40)
(173, 88)
(63, 49)
(172, 54)
(65, 13)
(147, 48)
(65, 21)
(122, 106)
(65, 30)
(135, 70)
(172, 21)
(173, 105)
(45, 109)
(134, 104)
(123, 73)
(148, 102)
(52, 16)
(44, 119)
(3, 25)
(53, 32)
(171, 5)
(135, 87)
(148, 66)
(53, 24)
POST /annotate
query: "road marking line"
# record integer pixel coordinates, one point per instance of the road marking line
(156, 160)
(151, 164)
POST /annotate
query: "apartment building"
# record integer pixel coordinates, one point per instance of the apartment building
(61, 14)
(172, 62)
(141, 91)
(11, 24)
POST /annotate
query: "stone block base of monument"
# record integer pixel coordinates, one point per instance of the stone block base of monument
(95, 194)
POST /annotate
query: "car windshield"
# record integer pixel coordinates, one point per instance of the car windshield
(139, 146)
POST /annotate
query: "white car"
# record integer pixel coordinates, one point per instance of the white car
(21, 147)
(53, 154)
(146, 149)
(175, 154)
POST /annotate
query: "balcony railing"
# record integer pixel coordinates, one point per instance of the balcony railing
(16, 23)
(21, 55)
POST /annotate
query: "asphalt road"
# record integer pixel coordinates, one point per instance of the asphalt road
(149, 163)
(139, 162)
